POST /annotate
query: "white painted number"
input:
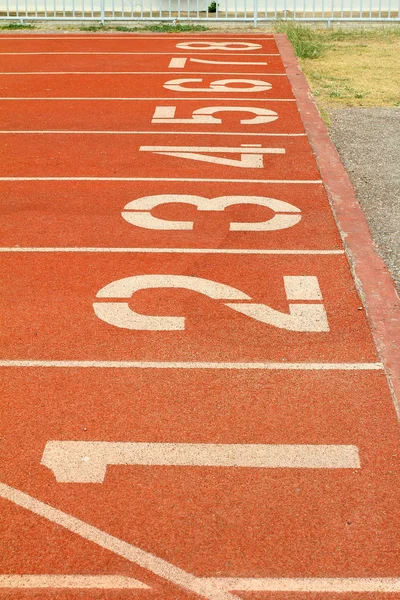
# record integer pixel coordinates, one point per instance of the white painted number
(219, 86)
(228, 46)
(301, 317)
(87, 462)
(179, 63)
(251, 155)
(201, 116)
(138, 212)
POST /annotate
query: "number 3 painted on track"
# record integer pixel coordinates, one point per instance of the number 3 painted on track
(301, 317)
(138, 212)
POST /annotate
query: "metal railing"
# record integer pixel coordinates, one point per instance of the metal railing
(201, 10)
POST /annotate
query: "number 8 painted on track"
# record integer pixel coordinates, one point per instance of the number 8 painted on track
(301, 317)
(228, 46)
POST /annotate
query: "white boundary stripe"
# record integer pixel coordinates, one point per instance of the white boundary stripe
(285, 181)
(71, 582)
(314, 584)
(64, 131)
(175, 250)
(172, 53)
(279, 584)
(268, 366)
(161, 99)
(154, 564)
(260, 73)
(137, 36)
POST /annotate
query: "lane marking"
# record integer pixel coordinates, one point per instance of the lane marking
(137, 53)
(150, 99)
(301, 317)
(136, 73)
(71, 582)
(196, 179)
(268, 366)
(150, 562)
(130, 38)
(175, 250)
(87, 462)
(251, 155)
(209, 149)
(269, 584)
(64, 131)
(313, 584)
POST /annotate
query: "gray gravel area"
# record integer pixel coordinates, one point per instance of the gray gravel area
(368, 141)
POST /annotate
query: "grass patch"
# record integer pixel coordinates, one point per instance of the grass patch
(93, 28)
(305, 40)
(349, 66)
(17, 26)
(161, 27)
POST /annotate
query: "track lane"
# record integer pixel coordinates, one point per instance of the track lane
(272, 385)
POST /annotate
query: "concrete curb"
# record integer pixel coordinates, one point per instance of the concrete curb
(373, 280)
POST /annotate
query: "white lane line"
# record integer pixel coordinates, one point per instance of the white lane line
(383, 585)
(64, 131)
(87, 462)
(151, 99)
(172, 53)
(137, 73)
(196, 179)
(132, 37)
(150, 562)
(116, 582)
(129, 364)
(136, 36)
(313, 584)
(173, 250)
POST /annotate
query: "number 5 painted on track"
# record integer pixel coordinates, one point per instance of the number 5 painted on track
(301, 317)
(138, 212)
(166, 114)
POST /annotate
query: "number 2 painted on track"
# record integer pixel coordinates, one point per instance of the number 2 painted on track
(301, 317)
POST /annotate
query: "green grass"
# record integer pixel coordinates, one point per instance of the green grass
(162, 27)
(305, 40)
(345, 66)
(17, 26)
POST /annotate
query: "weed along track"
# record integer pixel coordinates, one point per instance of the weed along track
(192, 398)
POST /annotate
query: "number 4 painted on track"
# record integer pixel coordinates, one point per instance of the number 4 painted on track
(251, 155)
(301, 316)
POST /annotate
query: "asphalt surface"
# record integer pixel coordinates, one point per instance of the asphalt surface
(368, 141)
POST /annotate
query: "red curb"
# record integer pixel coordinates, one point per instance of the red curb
(373, 280)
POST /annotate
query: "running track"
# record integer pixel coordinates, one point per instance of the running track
(192, 402)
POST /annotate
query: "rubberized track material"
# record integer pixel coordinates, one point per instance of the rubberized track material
(193, 405)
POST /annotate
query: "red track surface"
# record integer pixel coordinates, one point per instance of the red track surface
(103, 234)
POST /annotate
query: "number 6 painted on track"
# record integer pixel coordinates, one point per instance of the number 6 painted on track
(301, 317)
(138, 212)
(221, 85)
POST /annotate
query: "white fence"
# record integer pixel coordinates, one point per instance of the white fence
(201, 10)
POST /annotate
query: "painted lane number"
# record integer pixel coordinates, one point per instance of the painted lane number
(301, 317)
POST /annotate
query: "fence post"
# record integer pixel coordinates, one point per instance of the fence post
(255, 12)
(102, 9)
